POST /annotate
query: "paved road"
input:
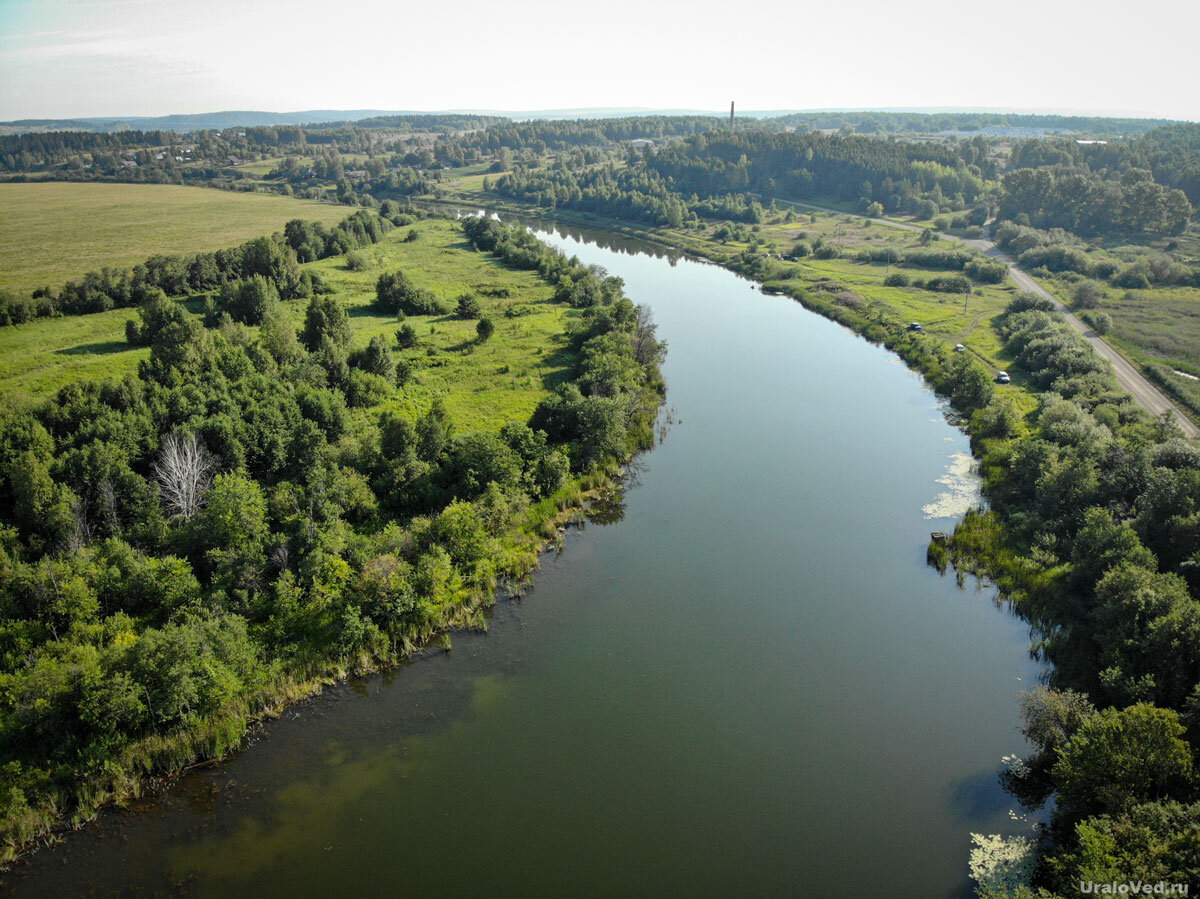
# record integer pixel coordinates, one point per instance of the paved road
(1144, 393)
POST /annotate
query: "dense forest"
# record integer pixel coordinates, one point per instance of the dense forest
(186, 547)
(866, 121)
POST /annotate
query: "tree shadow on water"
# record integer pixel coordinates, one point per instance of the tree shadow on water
(979, 797)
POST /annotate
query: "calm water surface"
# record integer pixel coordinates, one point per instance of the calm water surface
(750, 684)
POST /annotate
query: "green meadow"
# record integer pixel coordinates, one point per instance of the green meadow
(51, 232)
(483, 385)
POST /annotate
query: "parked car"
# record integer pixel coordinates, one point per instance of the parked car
(916, 326)
(959, 348)
(1002, 377)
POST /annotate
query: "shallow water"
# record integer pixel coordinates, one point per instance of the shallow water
(750, 682)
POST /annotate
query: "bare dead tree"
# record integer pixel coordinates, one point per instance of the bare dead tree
(106, 493)
(646, 346)
(183, 471)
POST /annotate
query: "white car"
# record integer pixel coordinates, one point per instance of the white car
(1002, 377)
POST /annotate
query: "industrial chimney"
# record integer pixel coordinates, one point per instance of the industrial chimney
(730, 115)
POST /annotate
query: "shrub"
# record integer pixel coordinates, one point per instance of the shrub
(896, 279)
(949, 284)
(1087, 295)
(395, 292)
(406, 336)
(986, 271)
(468, 306)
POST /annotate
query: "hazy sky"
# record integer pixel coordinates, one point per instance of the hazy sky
(62, 58)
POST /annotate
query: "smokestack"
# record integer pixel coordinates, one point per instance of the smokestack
(730, 115)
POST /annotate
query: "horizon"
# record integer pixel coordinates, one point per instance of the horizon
(609, 111)
(64, 59)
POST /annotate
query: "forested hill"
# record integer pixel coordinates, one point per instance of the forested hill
(805, 165)
(866, 121)
(210, 121)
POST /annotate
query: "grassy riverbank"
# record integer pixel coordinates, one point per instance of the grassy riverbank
(366, 480)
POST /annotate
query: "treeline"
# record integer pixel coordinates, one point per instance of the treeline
(183, 548)
(923, 179)
(275, 259)
(1170, 153)
(26, 152)
(872, 122)
(23, 152)
(1057, 251)
(1079, 201)
(633, 193)
(1089, 533)
(567, 134)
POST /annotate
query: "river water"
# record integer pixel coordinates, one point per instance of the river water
(747, 682)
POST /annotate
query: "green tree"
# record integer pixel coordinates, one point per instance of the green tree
(325, 319)
(1120, 757)
(468, 306)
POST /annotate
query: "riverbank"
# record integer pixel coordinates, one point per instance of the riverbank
(687, 676)
(434, 522)
(1073, 537)
(218, 737)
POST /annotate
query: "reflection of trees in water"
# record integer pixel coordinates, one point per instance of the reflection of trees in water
(608, 240)
(609, 510)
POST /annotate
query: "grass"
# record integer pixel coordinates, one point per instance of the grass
(957, 319)
(483, 385)
(468, 181)
(39, 357)
(52, 232)
(1158, 330)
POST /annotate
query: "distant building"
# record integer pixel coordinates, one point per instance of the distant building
(1086, 142)
(356, 174)
(641, 143)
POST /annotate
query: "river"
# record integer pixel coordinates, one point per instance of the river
(745, 679)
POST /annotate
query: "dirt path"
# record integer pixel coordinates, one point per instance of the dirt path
(1144, 393)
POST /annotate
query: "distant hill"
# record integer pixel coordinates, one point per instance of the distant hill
(197, 121)
(867, 120)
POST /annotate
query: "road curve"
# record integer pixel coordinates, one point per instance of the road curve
(1143, 392)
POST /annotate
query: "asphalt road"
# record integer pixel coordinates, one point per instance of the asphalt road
(1144, 393)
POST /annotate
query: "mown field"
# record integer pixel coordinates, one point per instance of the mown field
(483, 385)
(52, 232)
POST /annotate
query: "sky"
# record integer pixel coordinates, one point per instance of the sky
(75, 58)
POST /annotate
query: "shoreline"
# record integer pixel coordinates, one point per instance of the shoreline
(573, 510)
